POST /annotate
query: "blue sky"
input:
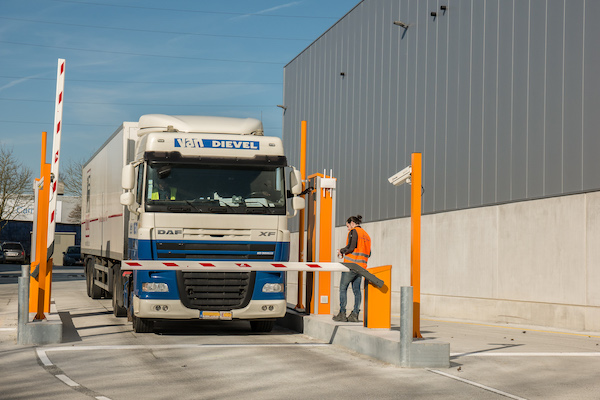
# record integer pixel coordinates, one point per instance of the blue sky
(126, 58)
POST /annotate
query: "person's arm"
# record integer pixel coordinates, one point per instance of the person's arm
(352, 243)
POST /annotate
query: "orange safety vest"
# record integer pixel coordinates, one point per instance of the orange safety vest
(363, 248)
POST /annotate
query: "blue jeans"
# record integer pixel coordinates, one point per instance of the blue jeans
(355, 279)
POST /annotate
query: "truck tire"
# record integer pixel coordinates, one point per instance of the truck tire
(94, 291)
(262, 326)
(118, 310)
(88, 279)
(142, 325)
(117, 295)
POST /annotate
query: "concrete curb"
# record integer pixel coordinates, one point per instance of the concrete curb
(381, 344)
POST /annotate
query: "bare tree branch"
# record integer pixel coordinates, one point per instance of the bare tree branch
(16, 186)
(71, 176)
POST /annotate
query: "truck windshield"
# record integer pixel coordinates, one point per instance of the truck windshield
(215, 189)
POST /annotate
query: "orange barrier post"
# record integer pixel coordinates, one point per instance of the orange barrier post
(321, 227)
(415, 249)
(378, 301)
(299, 305)
(39, 289)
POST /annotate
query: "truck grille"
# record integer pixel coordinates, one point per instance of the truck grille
(215, 291)
(215, 250)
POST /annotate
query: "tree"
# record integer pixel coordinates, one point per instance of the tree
(71, 177)
(16, 186)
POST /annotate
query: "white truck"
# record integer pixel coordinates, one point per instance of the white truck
(173, 188)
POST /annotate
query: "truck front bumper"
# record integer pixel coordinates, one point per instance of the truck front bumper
(174, 309)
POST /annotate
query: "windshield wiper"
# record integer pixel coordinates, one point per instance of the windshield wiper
(193, 206)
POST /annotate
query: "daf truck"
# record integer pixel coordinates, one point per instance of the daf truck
(172, 188)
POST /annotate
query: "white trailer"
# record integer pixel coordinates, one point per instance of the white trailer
(173, 188)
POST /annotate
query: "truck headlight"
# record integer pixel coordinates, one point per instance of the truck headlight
(154, 287)
(272, 288)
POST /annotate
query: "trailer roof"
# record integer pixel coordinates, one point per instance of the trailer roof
(199, 124)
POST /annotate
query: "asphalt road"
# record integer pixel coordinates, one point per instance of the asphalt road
(102, 358)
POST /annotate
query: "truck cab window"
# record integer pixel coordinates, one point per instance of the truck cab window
(215, 189)
(139, 190)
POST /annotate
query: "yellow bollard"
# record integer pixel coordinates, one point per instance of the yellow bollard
(378, 301)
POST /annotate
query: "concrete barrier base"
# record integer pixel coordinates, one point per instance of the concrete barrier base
(47, 331)
(427, 354)
(381, 344)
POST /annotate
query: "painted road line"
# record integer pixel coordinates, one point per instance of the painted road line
(42, 352)
(67, 380)
(479, 385)
(511, 327)
(546, 354)
(8, 329)
(43, 357)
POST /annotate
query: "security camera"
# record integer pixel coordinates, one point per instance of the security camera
(401, 177)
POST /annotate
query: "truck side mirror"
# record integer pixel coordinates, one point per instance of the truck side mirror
(127, 199)
(128, 177)
(295, 183)
(298, 203)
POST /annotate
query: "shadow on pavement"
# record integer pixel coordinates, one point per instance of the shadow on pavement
(69, 333)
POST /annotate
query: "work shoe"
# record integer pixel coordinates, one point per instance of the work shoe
(353, 317)
(341, 317)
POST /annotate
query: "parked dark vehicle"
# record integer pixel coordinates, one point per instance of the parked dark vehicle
(13, 252)
(72, 256)
(2, 259)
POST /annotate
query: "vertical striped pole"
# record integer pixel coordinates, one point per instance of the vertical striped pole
(60, 86)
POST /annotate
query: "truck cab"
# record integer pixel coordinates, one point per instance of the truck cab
(206, 189)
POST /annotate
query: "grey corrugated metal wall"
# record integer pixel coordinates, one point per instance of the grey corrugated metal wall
(502, 97)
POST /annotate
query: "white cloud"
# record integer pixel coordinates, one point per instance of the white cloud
(18, 81)
(268, 10)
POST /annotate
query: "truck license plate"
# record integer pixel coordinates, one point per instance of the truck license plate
(225, 315)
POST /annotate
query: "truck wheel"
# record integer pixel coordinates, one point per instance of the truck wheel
(95, 290)
(143, 325)
(262, 326)
(118, 311)
(117, 297)
(88, 280)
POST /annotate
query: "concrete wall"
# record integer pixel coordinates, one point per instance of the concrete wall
(533, 262)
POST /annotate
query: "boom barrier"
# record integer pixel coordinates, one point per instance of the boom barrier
(232, 266)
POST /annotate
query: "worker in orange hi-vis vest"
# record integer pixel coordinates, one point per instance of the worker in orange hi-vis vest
(357, 250)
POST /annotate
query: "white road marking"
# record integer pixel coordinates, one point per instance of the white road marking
(67, 380)
(43, 357)
(41, 352)
(7, 329)
(511, 396)
(547, 354)
(102, 398)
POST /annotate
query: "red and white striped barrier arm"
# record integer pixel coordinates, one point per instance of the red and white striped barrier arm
(231, 266)
(60, 88)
